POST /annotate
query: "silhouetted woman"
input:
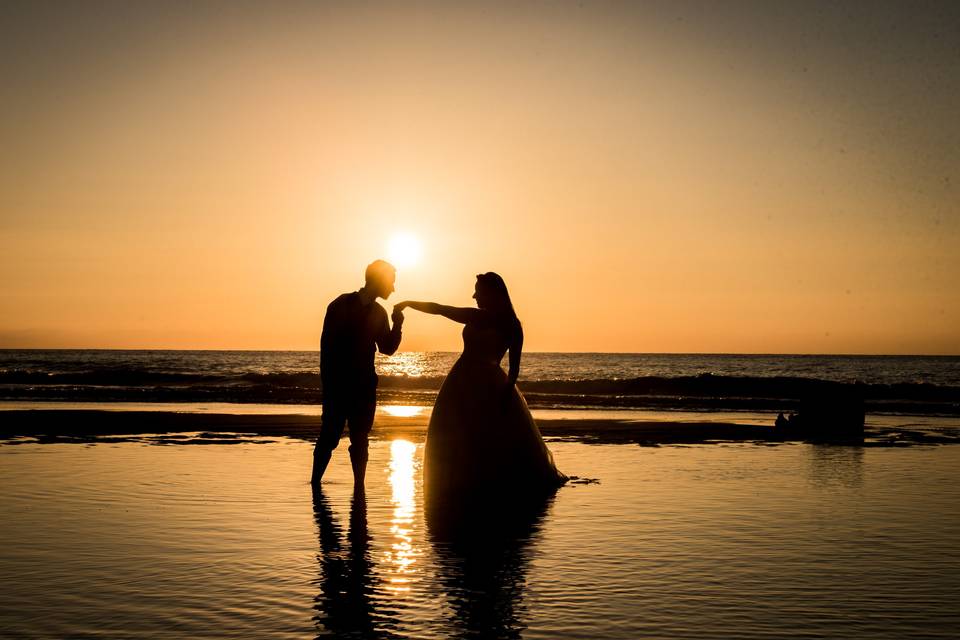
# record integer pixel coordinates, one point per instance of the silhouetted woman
(482, 440)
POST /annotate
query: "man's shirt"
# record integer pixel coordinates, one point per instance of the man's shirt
(352, 333)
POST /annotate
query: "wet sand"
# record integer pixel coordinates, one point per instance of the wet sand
(81, 425)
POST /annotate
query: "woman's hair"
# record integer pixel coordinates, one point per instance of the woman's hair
(502, 305)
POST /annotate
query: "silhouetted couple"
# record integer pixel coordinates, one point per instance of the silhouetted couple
(481, 438)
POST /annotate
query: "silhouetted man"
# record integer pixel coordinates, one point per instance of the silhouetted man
(353, 329)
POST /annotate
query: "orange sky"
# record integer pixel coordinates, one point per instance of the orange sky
(651, 179)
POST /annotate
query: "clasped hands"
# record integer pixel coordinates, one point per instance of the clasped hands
(397, 315)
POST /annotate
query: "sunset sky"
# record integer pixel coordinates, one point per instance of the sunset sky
(652, 177)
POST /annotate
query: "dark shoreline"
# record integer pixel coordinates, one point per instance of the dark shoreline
(705, 392)
(94, 425)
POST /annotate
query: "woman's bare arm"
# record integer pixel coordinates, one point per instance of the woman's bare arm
(457, 314)
(516, 350)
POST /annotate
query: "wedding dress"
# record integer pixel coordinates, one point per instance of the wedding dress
(482, 439)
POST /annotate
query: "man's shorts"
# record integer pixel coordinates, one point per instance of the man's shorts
(347, 407)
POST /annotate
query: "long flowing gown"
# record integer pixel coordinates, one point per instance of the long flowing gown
(482, 439)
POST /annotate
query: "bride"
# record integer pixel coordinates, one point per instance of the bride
(482, 438)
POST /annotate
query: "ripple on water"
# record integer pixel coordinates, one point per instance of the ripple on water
(128, 539)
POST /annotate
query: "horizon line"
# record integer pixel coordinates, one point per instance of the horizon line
(644, 353)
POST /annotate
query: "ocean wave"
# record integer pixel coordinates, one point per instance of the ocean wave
(706, 391)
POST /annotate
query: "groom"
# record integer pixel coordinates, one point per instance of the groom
(353, 329)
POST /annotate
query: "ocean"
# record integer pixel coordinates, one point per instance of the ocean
(119, 524)
(896, 385)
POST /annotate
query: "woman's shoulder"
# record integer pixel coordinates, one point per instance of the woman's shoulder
(482, 318)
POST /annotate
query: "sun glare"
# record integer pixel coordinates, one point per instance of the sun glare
(404, 250)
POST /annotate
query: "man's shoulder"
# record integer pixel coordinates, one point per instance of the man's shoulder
(343, 300)
(351, 303)
(377, 313)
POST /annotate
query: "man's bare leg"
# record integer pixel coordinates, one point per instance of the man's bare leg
(358, 459)
(321, 458)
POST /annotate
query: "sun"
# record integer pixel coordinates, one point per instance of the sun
(404, 250)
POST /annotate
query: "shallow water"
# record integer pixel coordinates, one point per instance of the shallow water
(942, 424)
(740, 541)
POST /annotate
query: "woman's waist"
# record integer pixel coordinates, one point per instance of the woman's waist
(480, 358)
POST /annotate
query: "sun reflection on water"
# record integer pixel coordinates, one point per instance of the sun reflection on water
(402, 556)
(405, 363)
(401, 410)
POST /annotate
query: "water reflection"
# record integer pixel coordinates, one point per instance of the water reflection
(832, 465)
(345, 606)
(402, 410)
(483, 551)
(402, 557)
(405, 363)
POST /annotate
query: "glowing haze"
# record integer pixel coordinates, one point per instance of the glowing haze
(699, 177)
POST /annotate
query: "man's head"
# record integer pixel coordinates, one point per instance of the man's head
(380, 278)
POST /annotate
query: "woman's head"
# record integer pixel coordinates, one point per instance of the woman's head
(491, 293)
